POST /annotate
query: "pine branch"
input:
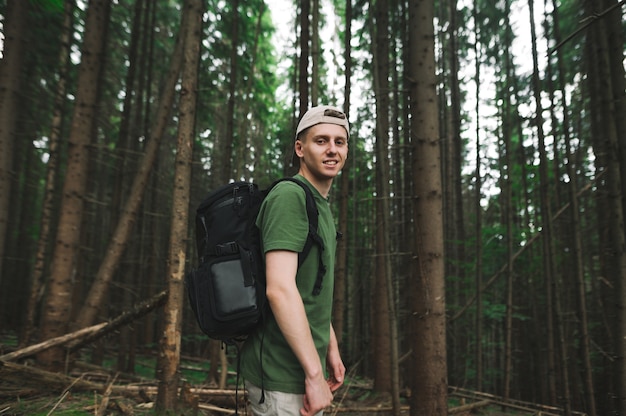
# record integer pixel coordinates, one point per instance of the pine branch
(588, 21)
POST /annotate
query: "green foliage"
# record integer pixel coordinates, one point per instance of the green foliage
(264, 121)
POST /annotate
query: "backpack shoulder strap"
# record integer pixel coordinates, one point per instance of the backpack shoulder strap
(313, 237)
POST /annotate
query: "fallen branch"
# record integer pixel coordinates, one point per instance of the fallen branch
(137, 311)
(216, 409)
(36, 378)
(534, 408)
(104, 404)
(77, 339)
(53, 342)
(468, 407)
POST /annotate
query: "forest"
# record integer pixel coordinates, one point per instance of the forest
(482, 204)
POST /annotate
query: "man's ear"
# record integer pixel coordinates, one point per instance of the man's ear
(298, 148)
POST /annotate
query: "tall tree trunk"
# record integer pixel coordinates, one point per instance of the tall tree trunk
(245, 157)
(455, 224)
(507, 128)
(125, 142)
(57, 307)
(170, 343)
(96, 296)
(577, 255)
(608, 293)
(427, 320)
(385, 317)
(45, 234)
(305, 52)
(616, 104)
(615, 45)
(612, 219)
(10, 76)
(551, 279)
(341, 277)
(381, 309)
(315, 52)
(227, 169)
(478, 272)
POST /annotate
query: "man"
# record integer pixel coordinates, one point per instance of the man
(285, 361)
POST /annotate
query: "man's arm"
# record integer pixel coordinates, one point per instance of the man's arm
(288, 309)
(334, 364)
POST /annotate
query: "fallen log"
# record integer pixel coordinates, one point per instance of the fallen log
(362, 409)
(18, 379)
(75, 340)
(468, 407)
(139, 310)
(42, 380)
(53, 342)
(534, 408)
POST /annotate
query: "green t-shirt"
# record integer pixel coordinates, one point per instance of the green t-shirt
(284, 226)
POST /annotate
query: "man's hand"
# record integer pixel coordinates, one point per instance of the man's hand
(334, 364)
(317, 396)
(336, 372)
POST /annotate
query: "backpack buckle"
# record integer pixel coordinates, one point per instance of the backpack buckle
(227, 248)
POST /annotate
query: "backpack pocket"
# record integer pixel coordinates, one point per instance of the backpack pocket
(230, 296)
(222, 298)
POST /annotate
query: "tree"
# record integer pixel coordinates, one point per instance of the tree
(46, 230)
(57, 307)
(386, 379)
(478, 208)
(454, 221)
(604, 123)
(553, 312)
(96, 296)
(344, 186)
(170, 342)
(427, 321)
(10, 67)
(305, 52)
(577, 254)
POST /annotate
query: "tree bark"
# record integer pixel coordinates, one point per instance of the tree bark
(170, 342)
(478, 274)
(341, 277)
(453, 201)
(305, 52)
(427, 324)
(45, 234)
(10, 68)
(57, 307)
(507, 129)
(384, 300)
(577, 254)
(97, 294)
(315, 52)
(612, 217)
(555, 332)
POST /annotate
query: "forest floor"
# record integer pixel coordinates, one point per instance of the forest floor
(94, 403)
(88, 389)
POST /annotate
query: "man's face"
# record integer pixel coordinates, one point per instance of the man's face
(323, 151)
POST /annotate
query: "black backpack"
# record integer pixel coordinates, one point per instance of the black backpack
(227, 289)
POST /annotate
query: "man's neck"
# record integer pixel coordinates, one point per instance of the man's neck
(323, 187)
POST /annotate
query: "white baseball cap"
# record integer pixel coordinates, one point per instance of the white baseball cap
(323, 114)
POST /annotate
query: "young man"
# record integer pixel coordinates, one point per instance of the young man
(285, 361)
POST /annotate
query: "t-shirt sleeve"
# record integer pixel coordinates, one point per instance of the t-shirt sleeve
(282, 219)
